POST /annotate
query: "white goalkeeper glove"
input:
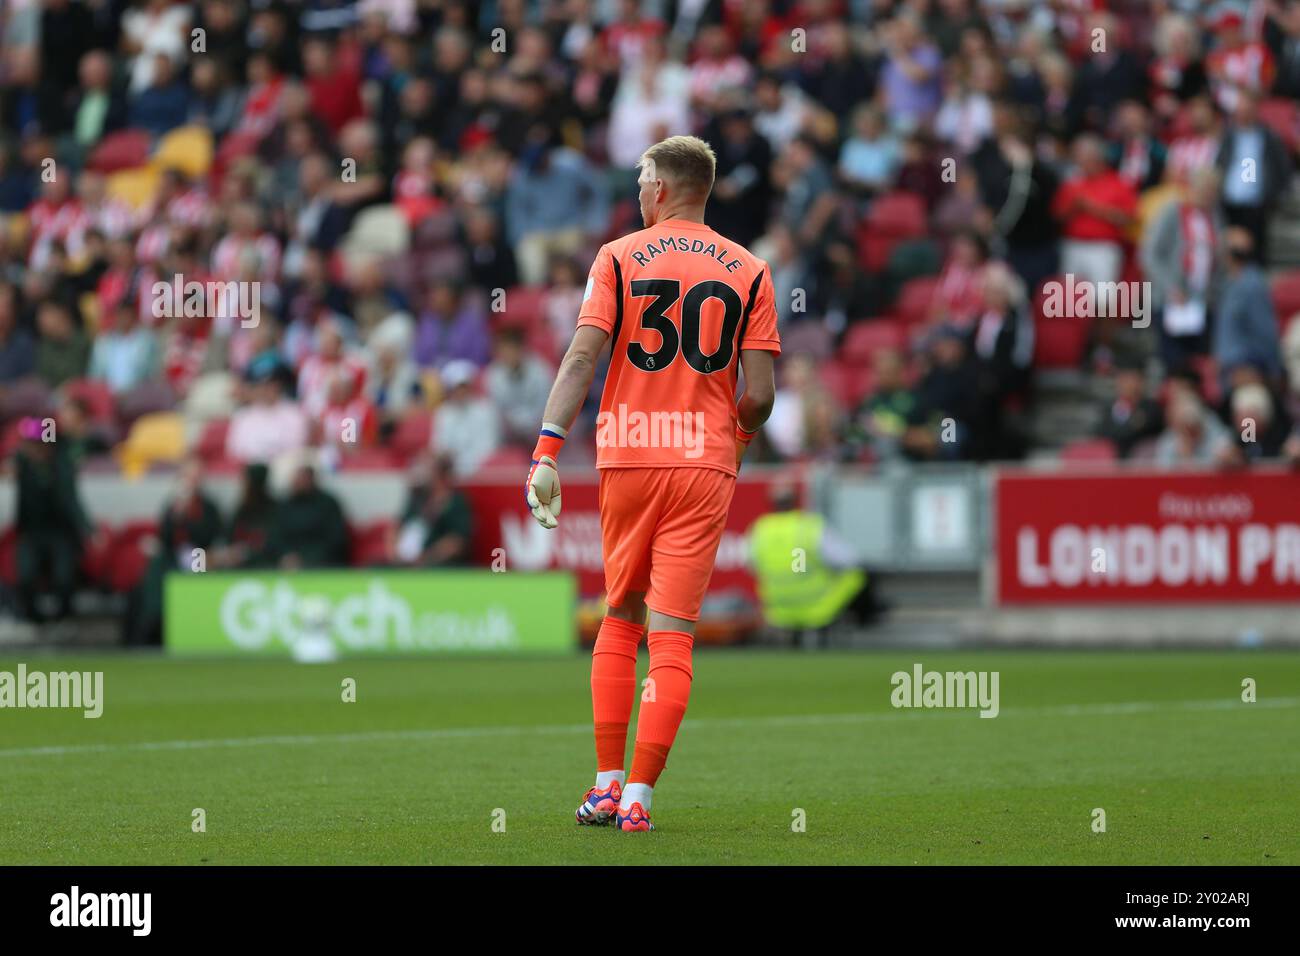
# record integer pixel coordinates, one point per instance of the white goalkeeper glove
(542, 489)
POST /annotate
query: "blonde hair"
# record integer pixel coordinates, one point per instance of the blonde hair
(687, 161)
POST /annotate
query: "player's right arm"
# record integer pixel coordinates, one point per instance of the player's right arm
(596, 319)
(572, 382)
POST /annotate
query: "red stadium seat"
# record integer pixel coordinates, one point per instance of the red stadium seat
(900, 215)
(97, 557)
(10, 439)
(144, 399)
(1284, 323)
(212, 442)
(95, 395)
(1180, 124)
(525, 306)
(27, 396)
(849, 383)
(1283, 117)
(1060, 343)
(915, 299)
(1286, 296)
(542, 341)
(866, 338)
(892, 219)
(1089, 450)
(1041, 292)
(125, 149)
(1208, 369)
(369, 459)
(368, 543)
(624, 217)
(129, 552)
(9, 556)
(874, 250)
(233, 147)
(508, 457)
(412, 434)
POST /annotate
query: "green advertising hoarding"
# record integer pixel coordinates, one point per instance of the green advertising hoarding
(319, 615)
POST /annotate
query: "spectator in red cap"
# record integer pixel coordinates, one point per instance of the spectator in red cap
(1237, 64)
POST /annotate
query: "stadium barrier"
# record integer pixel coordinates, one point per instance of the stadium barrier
(321, 615)
(1029, 548)
(914, 519)
(1147, 537)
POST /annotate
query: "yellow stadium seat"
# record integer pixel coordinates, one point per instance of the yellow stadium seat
(188, 149)
(89, 305)
(158, 437)
(135, 187)
(1150, 203)
(431, 385)
(17, 229)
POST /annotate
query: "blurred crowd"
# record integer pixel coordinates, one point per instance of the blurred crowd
(58, 546)
(417, 187)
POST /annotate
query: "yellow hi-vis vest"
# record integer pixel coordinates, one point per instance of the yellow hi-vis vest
(796, 588)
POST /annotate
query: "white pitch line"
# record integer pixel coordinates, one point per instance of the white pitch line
(783, 720)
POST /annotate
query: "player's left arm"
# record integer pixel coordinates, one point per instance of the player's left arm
(755, 404)
(759, 346)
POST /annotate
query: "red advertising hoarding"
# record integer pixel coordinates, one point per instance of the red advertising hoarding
(502, 521)
(1148, 537)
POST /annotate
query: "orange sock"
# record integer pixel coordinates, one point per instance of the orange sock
(613, 688)
(656, 727)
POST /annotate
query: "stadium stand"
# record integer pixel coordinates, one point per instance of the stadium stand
(238, 229)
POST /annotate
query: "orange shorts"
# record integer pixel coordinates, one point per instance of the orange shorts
(660, 529)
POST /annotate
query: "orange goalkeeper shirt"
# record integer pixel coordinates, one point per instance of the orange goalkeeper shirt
(679, 302)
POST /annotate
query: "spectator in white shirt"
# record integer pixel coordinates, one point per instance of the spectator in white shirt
(154, 28)
(651, 103)
(781, 111)
(518, 382)
(270, 425)
(466, 425)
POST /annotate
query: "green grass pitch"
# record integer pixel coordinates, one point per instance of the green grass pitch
(434, 751)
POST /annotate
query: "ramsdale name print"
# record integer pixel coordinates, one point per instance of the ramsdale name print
(181, 299)
(77, 690)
